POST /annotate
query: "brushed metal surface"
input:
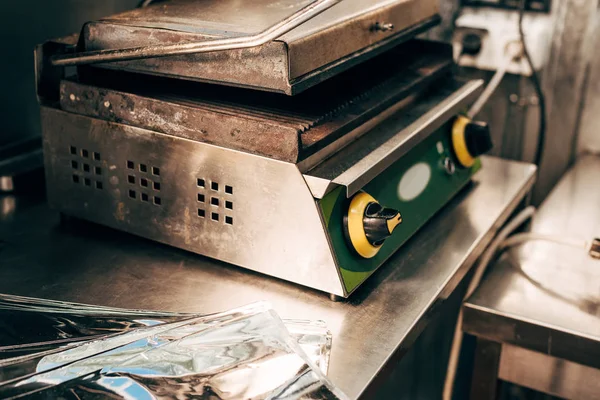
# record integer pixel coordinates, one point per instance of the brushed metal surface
(247, 210)
(327, 38)
(332, 41)
(543, 296)
(548, 374)
(279, 28)
(87, 263)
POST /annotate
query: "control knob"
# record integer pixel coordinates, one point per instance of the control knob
(368, 224)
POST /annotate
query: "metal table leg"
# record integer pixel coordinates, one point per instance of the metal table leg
(485, 372)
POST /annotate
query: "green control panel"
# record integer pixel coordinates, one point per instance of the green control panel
(417, 185)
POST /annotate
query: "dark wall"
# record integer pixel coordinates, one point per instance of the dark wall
(23, 24)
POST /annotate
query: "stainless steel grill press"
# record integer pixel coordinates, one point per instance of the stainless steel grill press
(297, 158)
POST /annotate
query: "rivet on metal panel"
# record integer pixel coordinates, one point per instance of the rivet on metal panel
(382, 27)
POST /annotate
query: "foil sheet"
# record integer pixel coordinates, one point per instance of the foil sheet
(52, 349)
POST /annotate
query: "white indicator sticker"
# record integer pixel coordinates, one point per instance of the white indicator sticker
(414, 181)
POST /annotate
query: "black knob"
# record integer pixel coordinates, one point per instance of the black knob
(379, 223)
(368, 224)
(478, 138)
(471, 44)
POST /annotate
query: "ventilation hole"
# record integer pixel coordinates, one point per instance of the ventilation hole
(75, 179)
(214, 186)
(201, 213)
(214, 201)
(132, 194)
(156, 171)
(73, 150)
(98, 170)
(86, 167)
(228, 189)
(156, 185)
(143, 168)
(144, 182)
(200, 182)
(229, 205)
(87, 181)
(200, 197)
(144, 197)
(131, 179)
(96, 156)
(98, 185)
(214, 216)
(74, 165)
(84, 153)
(229, 220)
(130, 165)
(157, 201)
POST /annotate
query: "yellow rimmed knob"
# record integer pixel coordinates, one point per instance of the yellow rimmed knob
(368, 224)
(470, 139)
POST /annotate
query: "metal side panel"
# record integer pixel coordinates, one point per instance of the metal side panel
(236, 207)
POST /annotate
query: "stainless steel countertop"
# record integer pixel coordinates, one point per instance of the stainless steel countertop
(553, 305)
(91, 264)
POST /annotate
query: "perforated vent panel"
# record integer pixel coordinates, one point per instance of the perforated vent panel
(215, 201)
(144, 183)
(86, 168)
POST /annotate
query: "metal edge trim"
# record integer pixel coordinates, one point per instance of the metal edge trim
(530, 321)
(326, 152)
(381, 158)
(313, 184)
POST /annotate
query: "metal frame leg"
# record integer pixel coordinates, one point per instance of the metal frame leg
(485, 372)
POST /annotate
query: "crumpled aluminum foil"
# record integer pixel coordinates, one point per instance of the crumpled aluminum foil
(52, 349)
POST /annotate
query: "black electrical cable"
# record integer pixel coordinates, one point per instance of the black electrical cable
(538, 88)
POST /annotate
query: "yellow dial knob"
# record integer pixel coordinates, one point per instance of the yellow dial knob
(470, 139)
(368, 224)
